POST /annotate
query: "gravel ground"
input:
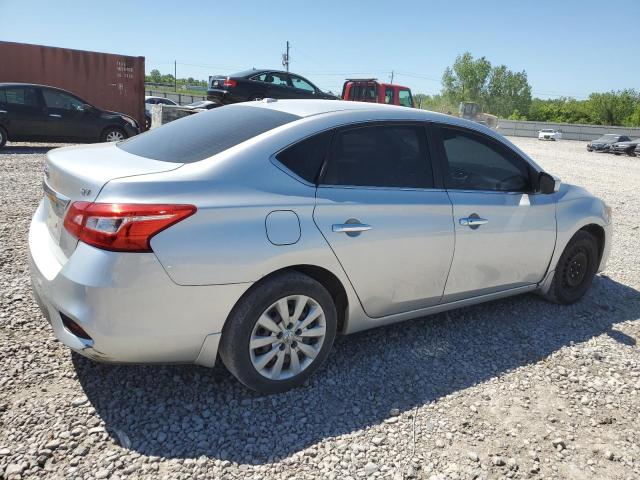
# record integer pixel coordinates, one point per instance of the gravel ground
(518, 388)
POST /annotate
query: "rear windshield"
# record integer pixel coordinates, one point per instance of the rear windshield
(205, 134)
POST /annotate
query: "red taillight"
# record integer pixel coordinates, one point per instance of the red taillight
(230, 82)
(122, 227)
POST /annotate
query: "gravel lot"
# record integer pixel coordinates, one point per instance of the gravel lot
(518, 388)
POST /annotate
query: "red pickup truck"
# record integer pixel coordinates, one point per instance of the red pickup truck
(370, 90)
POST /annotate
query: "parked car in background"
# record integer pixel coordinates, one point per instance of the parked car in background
(549, 134)
(202, 105)
(626, 147)
(603, 143)
(257, 84)
(266, 228)
(637, 150)
(150, 101)
(372, 91)
(39, 113)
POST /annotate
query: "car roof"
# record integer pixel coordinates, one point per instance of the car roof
(19, 84)
(307, 108)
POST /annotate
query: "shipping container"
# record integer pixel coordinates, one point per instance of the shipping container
(108, 81)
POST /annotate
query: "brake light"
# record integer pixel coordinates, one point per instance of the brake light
(122, 227)
(230, 82)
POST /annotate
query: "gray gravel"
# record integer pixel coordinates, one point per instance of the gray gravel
(518, 388)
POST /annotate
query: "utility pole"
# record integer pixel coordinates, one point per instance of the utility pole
(285, 58)
(175, 75)
(391, 77)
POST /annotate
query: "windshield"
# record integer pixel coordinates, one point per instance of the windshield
(244, 73)
(205, 134)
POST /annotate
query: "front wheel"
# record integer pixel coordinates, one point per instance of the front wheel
(575, 269)
(279, 333)
(113, 134)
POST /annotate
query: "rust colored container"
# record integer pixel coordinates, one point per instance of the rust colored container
(108, 81)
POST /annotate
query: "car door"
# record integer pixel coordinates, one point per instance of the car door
(505, 234)
(385, 220)
(301, 88)
(24, 113)
(67, 119)
(278, 85)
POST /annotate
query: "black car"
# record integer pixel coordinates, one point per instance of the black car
(627, 147)
(38, 113)
(257, 84)
(603, 143)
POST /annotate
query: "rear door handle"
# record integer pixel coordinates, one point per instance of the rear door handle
(55, 115)
(473, 221)
(350, 227)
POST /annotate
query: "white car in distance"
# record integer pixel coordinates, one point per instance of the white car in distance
(549, 134)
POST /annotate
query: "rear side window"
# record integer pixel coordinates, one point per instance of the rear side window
(24, 96)
(380, 156)
(478, 163)
(202, 135)
(305, 158)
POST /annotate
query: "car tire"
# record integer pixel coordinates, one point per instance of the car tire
(113, 134)
(3, 137)
(263, 350)
(575, 270)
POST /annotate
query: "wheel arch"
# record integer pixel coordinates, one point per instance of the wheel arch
(323, 276)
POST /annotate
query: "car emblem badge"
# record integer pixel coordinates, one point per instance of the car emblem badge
(85, 192)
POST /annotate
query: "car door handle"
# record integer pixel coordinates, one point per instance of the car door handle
(3, 111)
(473, 221)
(55, 115)
(350, 227)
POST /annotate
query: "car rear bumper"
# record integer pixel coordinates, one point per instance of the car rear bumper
(224, 97)
(126, 303)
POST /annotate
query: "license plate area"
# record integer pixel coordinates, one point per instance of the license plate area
(56, 206)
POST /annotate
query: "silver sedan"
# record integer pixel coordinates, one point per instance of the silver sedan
(257, 232)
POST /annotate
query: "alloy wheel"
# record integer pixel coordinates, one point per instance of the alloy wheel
(287, 337)
(114, 136)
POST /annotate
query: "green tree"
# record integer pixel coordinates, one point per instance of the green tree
(155, 76)
(466, 80)
(497, 90)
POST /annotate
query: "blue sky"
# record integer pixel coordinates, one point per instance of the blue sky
(567, 47)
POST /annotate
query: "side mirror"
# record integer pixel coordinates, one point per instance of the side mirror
(548, 184)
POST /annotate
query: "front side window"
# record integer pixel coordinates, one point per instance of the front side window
(23, 96)
(380, 156)
(305, 158)
(54, 99)
(301, 84)
(404, 97)
(479, 163)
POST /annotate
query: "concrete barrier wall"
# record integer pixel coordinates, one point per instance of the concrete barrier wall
(570, 131)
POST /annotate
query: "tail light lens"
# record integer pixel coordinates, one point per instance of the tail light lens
(122, 227)
(230, 82)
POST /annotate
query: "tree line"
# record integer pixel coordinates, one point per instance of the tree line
(167, 79)
(507, 94)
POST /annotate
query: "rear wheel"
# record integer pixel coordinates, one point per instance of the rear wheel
(3, 137)
(575, 270)
(279, 333)
(113, 134)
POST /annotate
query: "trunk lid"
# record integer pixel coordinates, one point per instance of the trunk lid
(78, 174)
(216, 81)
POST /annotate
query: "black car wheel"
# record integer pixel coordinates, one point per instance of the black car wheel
(279, 333)
(113, 134)
(575, 269)
(3, 137)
